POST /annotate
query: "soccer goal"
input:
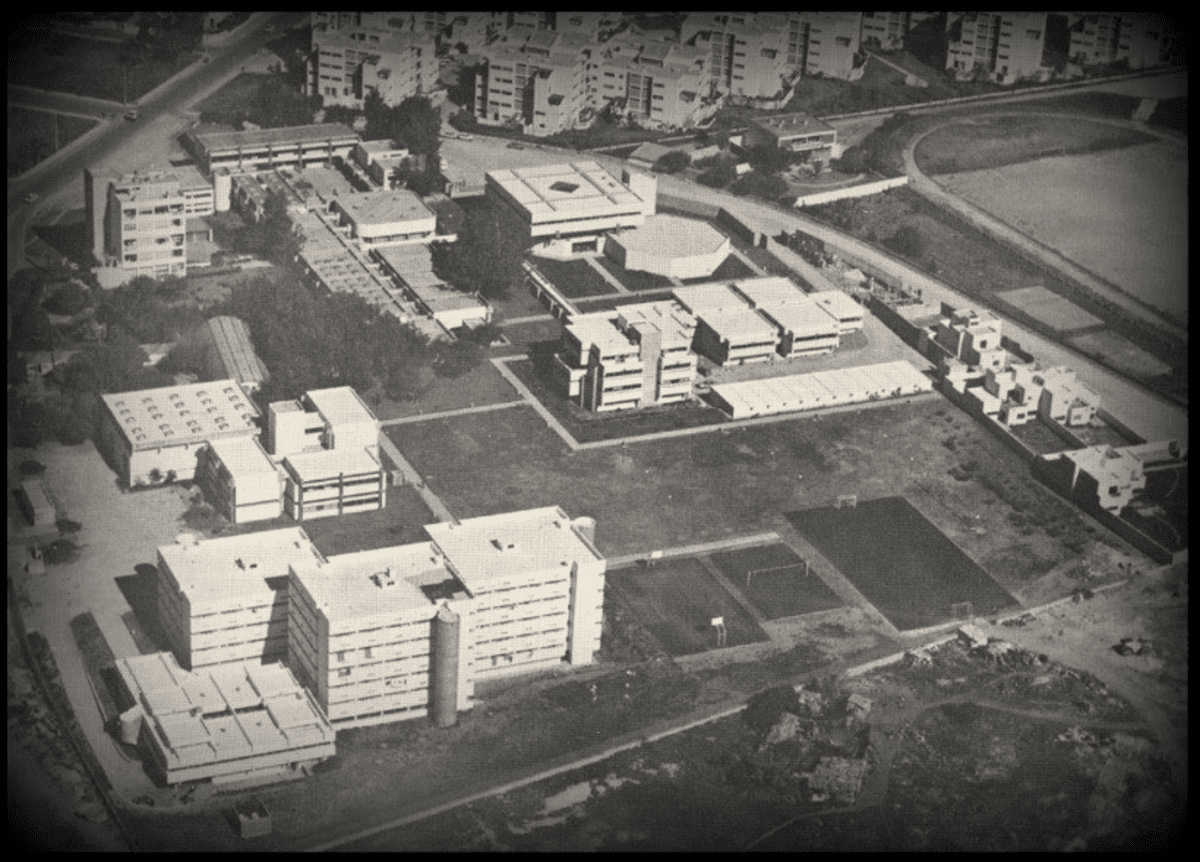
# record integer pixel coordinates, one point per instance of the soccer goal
(799, 568)
(846, 501)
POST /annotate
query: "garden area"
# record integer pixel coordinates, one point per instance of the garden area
(574, 279)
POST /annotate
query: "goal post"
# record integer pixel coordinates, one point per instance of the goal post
(801, 566)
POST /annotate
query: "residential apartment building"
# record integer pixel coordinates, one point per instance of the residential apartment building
(348, 62)
(1002, 46)
(747, 52)
(138, 224)
(1141, 39)
(635, 356)
(656, 84)
(536, 79)
(887, 31)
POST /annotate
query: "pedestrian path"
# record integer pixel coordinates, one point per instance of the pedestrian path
(607, 276)
(691, 550)
(555, 426)
(446, 414)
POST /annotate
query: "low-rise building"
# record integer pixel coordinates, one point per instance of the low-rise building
(224, 600)
(728, 330)
(230, 352)
(333, 482)
(671, 246)
(1102, 476)
(634, 356)
(804, 327)
(156, 435)
(799, 133)
(386, 218)
(239, 479)
(842, 307)
(411, 267)
(232, 723)
(971, 336)
(798, 392)
(335, 418)
(292, 146)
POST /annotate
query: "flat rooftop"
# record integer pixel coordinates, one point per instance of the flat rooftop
(497, 547)
(237, 566)
(220, 142)
(244, 456)
(770, 292)
(340, 405)
(385, 207)
(371, 583)
(575, 190)
(839, 304)
(330, 463)
(672, 236)
(667, 316)
(173, 415)
(786, 125)
(711, 296)
(740, 326)
(802, 318)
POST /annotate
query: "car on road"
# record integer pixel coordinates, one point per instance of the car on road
(463, 136)
(513, 145)
(132, 114)
(31, 197)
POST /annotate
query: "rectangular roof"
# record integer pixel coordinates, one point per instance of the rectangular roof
(315, 133)
(786, 125)
(770, 291)
(340, 405)
(839, 304)
(804, 319)
(231, 336)
(236, 567)
(370, 583)
(330, 463)
(243, 456)
(821, 388)
(740, 326)
(575, 190)
(514, 544)
(710, 296)
(187, 413)
(385, 207)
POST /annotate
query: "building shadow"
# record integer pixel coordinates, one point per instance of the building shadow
(141, 593)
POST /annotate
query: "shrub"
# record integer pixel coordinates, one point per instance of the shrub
(908, 241)
(68, 300)
(762, 185)
(721, 174)
(672, 162)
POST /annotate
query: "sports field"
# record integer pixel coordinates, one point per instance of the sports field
(774, 578)
(1123, 214)
(676, 601)
(900, 562)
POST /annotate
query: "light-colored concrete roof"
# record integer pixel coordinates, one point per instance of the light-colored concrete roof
(839, 304)
(340, 405)
(708, 297)
(243, 456)
(575, 190)
(187, 413)
(371, 583)
(740, 325)
(220, 142)
(670, 236)
(387, 207)
(330, 463)
(770, 292)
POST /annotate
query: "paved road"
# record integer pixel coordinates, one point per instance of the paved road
(63, 172)
(62, 103)
(982, 220)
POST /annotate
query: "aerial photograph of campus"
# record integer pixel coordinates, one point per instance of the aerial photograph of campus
(597, 431)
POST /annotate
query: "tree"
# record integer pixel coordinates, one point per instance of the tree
(106, 367)
(70, 299)
(483, 259)
(416, 124)
(672, 162)
(763, 185)
(456, 358)
(721, 174)
(343, 114)
(768, 159)
(908, 241)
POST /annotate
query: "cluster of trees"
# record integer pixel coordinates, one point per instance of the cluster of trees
(276, 103)
(760, 184)
(486, 259)
(416, 125)
(672, 162)
(150, 311)
(273, 236)
(874, 151)
(719, 171)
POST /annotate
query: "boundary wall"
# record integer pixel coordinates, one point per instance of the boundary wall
(858, 191)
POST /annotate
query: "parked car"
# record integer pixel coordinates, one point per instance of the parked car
(513, 145)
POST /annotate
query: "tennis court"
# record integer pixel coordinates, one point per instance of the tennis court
(912, 573)
(776, 580)
(676, 601)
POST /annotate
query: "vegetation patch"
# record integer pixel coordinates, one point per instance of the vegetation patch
(34, 136)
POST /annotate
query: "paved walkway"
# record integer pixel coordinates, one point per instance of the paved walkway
(533, 318)
(532, 400)
(432, 500)
(984, 221)
(446, 414)
(741, 255)
(626, 560)
(607, 276)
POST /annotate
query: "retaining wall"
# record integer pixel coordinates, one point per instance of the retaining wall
(858, 191)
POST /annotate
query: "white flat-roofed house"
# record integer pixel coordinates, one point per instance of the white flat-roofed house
(231, 723)
(225, 600)
(387, 217)
(240, 480)
(805, 327)
(798, 392)
(796, 133)
(359, 633)
(156, 435)
(537, 583)
(573, 202)
(843, 308)
(335, 418)
(333, 482)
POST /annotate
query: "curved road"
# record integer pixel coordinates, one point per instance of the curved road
(929, 188)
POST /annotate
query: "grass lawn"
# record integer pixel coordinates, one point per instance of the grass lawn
(731, 269)
(676, 600)
(36, 135)
(633, 279)
(587, 427)
(573, 278)
(532, 332)
(706, 487)
(483, 384)
(516, 302)
(399, 523)
(901, 562)
(992, 142)
(228, 104)
(86, 67)
(773, 578)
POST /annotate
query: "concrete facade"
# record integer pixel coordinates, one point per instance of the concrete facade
(348, 62)
(1004, 47)
(670, 245)
(239, 479)
(795, 133)
(137, 224)
(292, 146)
(387, 218)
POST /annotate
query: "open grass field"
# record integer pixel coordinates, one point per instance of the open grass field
(482, 385)
(773, 578)
(86, 67)
(707, 487)
(573, 278)
(1131, 228)
(34, 136)
(228, 104)
(901, 562)
(1058, 313)
(999, 140)
(633, 279)
(676, 600)
(1161, 511)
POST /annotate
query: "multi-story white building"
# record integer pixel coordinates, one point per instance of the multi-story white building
(398, 633)
(747, 52)
(805, 328)
(575, 202)
(332, 482)
(386, 218)
(1141, 39)
(1003, 46)
(224, 600)
(728, 330)
(349, 61)
(138, 222)
(799, 133)
(240, 480)
(293, 146)
(888, 30)
(973, 337)
(536, 79)
(635, 356)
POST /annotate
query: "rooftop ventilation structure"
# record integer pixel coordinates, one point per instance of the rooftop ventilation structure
(384, 579)
(565, 187)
